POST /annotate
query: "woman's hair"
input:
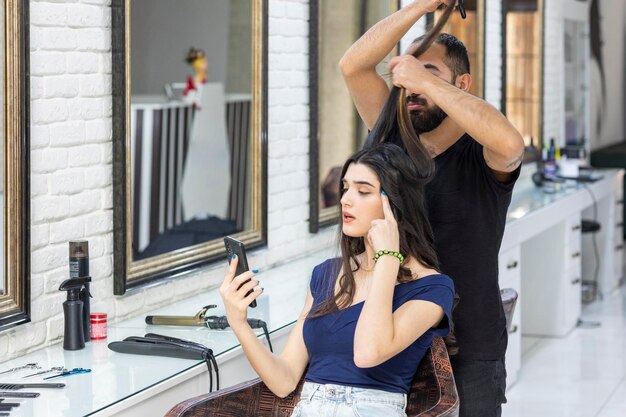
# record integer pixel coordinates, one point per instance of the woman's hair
(194, 54)
(394, 122)
(403, 182)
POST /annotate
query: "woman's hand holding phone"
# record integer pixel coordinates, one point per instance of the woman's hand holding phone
(233, 292)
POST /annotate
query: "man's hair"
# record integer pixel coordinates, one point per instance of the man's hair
(456, 53)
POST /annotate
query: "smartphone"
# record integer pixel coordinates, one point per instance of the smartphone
(235, 247)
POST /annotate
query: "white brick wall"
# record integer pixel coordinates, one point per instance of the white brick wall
(493, 53)
(553, 107)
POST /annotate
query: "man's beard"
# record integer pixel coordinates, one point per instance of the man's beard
(426, 118)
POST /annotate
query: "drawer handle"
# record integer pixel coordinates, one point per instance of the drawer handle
(512, 265)
(619, 247)
(575, 254)
(576, 281)
(577, 227)
(620, 202)
(620, 224)
(514, 329)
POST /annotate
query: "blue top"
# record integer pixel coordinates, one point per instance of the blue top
(330, 339)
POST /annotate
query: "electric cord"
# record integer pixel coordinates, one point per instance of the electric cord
(221, 322)
(212, 363)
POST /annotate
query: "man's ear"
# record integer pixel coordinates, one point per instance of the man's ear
(464, 82)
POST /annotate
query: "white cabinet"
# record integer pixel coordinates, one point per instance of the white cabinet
(551, 284)
(573, 269)
(509, 267)
(618, 261)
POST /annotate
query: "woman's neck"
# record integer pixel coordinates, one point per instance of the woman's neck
(367, 261)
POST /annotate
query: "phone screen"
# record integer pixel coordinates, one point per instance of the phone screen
(235, 247)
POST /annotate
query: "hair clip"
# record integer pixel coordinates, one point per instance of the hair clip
(462, 9)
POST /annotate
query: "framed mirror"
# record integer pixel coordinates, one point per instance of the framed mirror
(189, 133)
(522, 76)
(471, 31)
(335, 128)
(15, 261)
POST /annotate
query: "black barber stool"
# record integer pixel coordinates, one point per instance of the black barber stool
(590, 286)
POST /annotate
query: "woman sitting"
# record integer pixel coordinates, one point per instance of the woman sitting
(369, 316)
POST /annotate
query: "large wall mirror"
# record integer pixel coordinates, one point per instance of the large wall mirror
(522, 100)
(190, 124)
(335, 127)
(15, 260)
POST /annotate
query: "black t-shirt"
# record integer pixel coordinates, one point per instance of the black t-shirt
(467, 208)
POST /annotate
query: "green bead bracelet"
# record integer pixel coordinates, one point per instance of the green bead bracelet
(388, 252)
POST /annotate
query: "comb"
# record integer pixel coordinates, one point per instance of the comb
(13, 387)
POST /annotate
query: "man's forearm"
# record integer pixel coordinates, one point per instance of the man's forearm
(371, 48)
(478, 118)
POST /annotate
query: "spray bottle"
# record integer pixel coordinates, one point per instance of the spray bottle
(73, 336)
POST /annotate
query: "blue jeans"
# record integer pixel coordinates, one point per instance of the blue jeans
(318, 400)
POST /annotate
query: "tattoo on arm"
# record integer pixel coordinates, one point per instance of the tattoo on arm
(516, 162)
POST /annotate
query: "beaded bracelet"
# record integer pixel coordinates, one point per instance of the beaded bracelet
(388, 252)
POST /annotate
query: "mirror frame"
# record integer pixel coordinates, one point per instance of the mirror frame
(129, 274)
(541, 6)
(15, 300)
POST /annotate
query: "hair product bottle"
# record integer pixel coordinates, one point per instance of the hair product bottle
(79, 268)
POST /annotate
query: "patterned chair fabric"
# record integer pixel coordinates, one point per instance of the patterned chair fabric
(433, 393)
(509, 299)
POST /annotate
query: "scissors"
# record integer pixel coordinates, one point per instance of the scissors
(70, 372)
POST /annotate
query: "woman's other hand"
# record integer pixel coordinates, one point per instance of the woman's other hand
(233, 292)
(383, 235)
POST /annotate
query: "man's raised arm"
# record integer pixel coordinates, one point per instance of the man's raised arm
(358, 65)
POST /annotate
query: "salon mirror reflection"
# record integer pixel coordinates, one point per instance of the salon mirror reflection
(190, 122)
(337, 129)
(523, 77)
(15, 223)
(190, 107)
(3, 281)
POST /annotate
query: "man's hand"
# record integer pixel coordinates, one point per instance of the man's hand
(430, 6)
(409, 73)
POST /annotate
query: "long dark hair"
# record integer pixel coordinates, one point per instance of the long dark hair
(404, 182)
(394, 122)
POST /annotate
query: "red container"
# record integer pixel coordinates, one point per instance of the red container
(98, 326)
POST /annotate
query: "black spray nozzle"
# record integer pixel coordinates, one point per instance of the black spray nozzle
(73, 286)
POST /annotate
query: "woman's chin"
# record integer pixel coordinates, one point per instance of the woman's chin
(351, 231)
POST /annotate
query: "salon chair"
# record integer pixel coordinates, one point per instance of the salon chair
(433, 393)
(509, 299)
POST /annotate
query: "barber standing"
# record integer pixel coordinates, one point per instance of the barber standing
(477, 154)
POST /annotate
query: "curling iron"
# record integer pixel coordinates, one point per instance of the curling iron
(200, 319)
